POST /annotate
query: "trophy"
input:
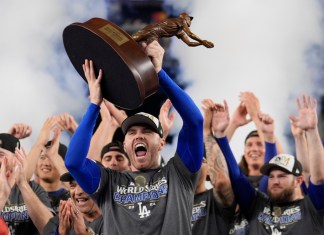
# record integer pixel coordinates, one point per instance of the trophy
(128, 74)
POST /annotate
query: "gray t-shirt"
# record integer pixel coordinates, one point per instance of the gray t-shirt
(297, 217)
(15, 213)
(152, 202)
(208, 217)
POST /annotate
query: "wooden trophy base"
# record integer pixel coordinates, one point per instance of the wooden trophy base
(128, 73)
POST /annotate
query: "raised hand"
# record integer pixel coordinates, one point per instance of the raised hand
(307, 114)
(64, 218)
(7, 177)
(240, 116)
(267, 127)
(208, 106)
(166, 118)
(20, 130)
(76, 218)
(21, 155)
(220, 119)
(156, 53)
(66, 121)
(252, 104)
(93, 82)
(118, 115)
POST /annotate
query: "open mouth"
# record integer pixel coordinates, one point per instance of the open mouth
(81, 201)
(140, 150)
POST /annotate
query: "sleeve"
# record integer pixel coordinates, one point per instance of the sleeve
(190, 140)
(316, 194)
(270, 152)
(85, 171)
(239, 182)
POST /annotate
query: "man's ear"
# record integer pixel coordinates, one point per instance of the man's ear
(162, 143)
(300, 179)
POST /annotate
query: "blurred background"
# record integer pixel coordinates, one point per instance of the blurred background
(272, 48)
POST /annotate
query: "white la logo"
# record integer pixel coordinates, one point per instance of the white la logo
(143, 211)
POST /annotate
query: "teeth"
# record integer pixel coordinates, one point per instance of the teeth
(139, 145)
(81, 200)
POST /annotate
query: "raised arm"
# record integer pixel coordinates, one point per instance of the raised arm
(301, 150)
(38, 212)
(307, 121)
(267, 128)
(253, 108)
(190, 140)
(53, 154)
(217, 167)
(39, 145)
(105, 131)
(85, 171)
(239, 182)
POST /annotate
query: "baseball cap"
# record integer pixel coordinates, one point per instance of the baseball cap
(113, 146)
(9, 142)
(251, 134)
(62, 148)
(142, 119)
(66, 177)
(285, 162)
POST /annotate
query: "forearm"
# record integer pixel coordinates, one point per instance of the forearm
(230, 130)
(58, 162)
(32, 159)
(218, 172)
(190, 140)
(239, 182)
(270, 151)
(103, 135)
(316, 156)
(302, 155)
(38, 212)
(3, 200)
(84, 171)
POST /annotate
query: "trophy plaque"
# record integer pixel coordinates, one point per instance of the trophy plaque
(128, 73)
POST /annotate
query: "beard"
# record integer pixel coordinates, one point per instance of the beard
(281, 198)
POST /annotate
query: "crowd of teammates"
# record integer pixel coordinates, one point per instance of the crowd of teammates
(98, 185)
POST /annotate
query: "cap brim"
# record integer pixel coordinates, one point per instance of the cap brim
(139, 120)
(266, 168)
(66, 177)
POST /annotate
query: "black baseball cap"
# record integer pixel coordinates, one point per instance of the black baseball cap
(113, 146)
(142, 119)
(61, 150)
(9, 142)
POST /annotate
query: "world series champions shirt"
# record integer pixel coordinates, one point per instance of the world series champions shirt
(15, 212)
(209, 217)
(152, 202)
